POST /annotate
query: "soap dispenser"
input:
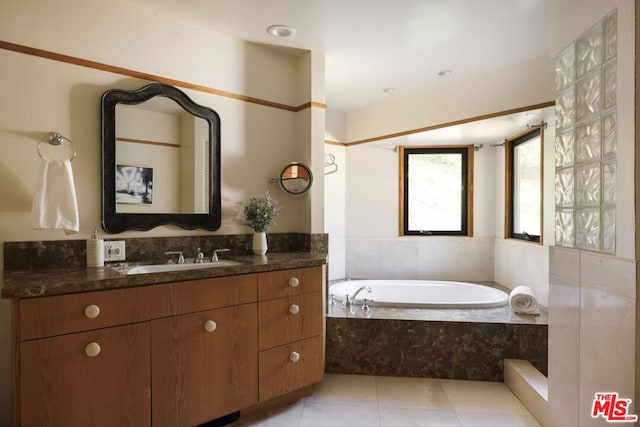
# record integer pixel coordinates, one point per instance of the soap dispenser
(95, 250)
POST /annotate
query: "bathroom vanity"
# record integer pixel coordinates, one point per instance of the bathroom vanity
(175, 349)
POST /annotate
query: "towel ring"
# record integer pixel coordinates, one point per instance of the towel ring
(54, 138)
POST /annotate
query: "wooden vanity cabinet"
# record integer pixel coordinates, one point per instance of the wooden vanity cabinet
(175, 354)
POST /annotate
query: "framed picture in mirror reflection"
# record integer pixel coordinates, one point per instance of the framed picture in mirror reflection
(134, 185)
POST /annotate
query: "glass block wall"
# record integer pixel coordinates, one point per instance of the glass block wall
(585, 146)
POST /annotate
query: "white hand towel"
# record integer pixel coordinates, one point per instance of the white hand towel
(522, 300)
(55, 206)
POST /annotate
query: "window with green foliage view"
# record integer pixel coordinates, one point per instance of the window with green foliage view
(524, 186)
(436, 190)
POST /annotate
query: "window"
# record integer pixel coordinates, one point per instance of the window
(436, 190)
(523, 219)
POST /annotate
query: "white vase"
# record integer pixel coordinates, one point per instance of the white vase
(259, 244)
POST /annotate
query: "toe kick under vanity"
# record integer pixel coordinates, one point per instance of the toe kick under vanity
(163, 349)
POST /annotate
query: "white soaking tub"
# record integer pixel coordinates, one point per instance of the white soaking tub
(419, 294)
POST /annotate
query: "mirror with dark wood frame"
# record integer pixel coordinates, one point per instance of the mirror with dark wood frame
(160, 160)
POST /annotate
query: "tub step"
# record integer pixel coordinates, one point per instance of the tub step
(530, 386)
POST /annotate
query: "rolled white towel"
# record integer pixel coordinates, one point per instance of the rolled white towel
(522, 300)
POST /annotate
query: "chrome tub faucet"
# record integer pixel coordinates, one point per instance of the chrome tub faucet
(348, 300)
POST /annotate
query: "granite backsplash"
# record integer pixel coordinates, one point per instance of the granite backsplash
(50, 254)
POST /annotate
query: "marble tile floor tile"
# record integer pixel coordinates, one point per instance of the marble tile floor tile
(367, 401)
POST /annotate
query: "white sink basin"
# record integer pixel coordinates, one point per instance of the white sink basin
(164, 268)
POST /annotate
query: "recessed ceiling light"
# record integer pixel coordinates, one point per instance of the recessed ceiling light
(388, 90)
(444, 73)
(282, 31)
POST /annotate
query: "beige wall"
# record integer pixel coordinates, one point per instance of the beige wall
(41, 95)
(335, 217)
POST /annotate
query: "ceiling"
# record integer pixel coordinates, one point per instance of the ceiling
(370, 45)
(480, 133)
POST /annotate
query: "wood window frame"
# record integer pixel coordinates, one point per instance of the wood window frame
(509, 145)
(467, 211)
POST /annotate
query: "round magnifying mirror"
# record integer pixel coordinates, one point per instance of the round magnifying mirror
(296, 179)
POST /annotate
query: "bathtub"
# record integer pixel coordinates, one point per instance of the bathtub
(420, 294)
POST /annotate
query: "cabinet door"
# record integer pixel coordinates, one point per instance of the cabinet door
(96, 378)
(204, 365)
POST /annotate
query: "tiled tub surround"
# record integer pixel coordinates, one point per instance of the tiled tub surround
(464, 344)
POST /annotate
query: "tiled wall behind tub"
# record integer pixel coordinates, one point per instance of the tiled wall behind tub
(435, 258)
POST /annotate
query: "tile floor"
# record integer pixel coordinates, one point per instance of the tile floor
(366, 401)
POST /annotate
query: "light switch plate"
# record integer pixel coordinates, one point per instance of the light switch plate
(114, 250)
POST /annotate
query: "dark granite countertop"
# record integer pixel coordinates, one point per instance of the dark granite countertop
(27, 284)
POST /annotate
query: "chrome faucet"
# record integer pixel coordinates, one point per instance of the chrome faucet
(180, 256)
(348, 300)
(214, 257)
(199, 259)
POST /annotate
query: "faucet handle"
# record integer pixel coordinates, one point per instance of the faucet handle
(346, 302)
(180, 256)
(214, 257)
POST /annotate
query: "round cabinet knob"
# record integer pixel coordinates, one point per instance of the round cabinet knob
(92, 311)
(294, 309)
(210, 326)
(294, 282)
(92, 349)
(294, 356)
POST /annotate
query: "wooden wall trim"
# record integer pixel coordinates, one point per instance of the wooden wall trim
(339, 144)
(144, 141)
(453, 123)
(152, 77)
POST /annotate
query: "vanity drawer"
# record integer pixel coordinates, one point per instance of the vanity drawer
(204, 294)
(63, 314)
(278, 284)
(284, 320)
(290, 367)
